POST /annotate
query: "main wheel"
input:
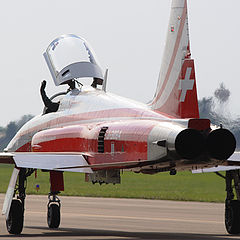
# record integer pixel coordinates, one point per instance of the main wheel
(53, 215)
(15, 219)
(232, 216)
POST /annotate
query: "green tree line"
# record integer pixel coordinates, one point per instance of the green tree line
(7, 133)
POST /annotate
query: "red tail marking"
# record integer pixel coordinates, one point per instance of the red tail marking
(182, 102)
(188, 105)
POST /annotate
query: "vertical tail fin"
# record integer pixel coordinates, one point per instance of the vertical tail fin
(176, 93)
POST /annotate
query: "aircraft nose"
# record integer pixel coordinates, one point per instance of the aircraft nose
(221, 144)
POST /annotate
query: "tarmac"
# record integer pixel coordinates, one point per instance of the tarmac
(112, 218)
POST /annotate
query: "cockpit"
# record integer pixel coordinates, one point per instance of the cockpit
(70, 59)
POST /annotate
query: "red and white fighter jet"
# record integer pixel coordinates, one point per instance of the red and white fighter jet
(99, 133)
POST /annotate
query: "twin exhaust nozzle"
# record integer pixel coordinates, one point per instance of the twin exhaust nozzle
(218, 144)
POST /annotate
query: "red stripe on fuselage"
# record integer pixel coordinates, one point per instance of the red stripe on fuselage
(95, 117)
(25, 148)
(124, 151)
(124, 141)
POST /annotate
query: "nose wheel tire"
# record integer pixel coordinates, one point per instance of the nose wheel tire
(15, 218)
(53, 215)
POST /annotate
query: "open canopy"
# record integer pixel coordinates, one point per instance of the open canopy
(69, 57)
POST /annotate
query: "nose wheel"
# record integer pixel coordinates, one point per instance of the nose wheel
(53, 211)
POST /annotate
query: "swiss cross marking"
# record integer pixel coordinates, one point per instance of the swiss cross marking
(186, 84)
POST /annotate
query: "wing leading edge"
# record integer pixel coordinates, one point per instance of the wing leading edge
(47, 161)
(70, 162)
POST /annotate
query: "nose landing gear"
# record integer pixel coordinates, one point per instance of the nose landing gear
(53, 210)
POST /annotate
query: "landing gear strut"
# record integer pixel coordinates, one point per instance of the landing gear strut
(53, 210)
(15, 219)
(232, 207)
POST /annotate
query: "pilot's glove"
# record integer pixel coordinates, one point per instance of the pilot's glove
(43, 85)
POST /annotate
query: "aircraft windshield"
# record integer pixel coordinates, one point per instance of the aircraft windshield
(69, 57)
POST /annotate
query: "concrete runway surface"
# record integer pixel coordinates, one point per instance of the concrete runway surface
(105, 218)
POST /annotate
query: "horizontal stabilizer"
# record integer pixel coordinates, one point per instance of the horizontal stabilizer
(231, 164)
(216, 169)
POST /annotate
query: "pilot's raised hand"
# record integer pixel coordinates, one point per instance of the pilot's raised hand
(43, 85)
(50, 106)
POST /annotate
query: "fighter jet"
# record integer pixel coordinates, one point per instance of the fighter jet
(89, 130)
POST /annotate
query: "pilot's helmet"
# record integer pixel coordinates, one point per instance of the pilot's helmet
(69, 57)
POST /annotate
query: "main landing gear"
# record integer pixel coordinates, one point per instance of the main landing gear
(53, 210)
(15, 219)
(232, 207)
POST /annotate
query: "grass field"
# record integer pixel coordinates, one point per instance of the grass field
(183, 186)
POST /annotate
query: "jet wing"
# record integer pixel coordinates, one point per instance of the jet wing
(60, 161)
(231, 164)
(48, 161)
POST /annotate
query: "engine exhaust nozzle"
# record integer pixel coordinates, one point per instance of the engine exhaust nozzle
(221, 144)
(189, 143)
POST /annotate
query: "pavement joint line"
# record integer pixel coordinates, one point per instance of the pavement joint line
(134, 218)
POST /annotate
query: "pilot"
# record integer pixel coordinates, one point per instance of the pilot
(50, 106)
(96, 81)
(71, 84)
